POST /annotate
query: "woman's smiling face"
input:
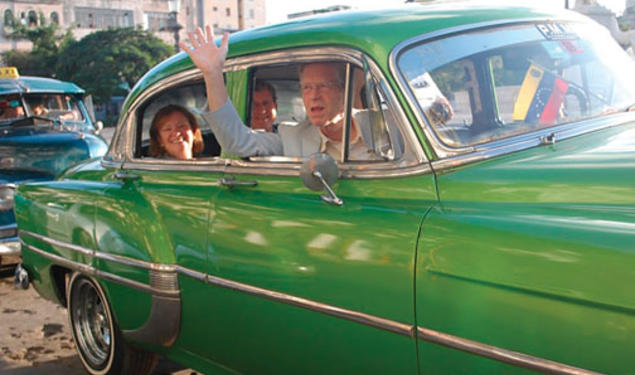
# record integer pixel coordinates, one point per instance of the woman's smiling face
(176, 136)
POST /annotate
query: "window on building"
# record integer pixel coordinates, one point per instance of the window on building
(215, 9)
(252, 14)
(228, 12)
(103, 18)
(32, 18)
(158, 21)
(55, 18)
(8, 17)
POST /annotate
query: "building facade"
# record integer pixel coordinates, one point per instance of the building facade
(608, 19)
(87, 16)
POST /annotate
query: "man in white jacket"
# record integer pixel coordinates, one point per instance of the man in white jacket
(322, 86)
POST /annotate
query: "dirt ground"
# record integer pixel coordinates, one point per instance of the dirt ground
(35, 338)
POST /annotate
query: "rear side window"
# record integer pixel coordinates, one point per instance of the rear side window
(193, 99)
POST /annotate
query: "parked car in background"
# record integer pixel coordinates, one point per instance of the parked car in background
(45, 127)
(492, 231)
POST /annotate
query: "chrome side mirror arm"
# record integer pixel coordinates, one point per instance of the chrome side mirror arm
(320, 172)
(332, 198)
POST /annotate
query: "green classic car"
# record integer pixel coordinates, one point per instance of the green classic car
(45, 127)
(492, 231)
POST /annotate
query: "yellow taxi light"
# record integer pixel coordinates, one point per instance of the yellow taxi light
(9, 72)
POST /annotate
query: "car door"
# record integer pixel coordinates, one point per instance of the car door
(522, 265)
(297, 285)
(157, 209)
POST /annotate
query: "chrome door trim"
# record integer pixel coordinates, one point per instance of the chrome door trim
(499, 354)
(504, 146)
(355, 316)
(435, 337)
(215, 165)
(166, 285)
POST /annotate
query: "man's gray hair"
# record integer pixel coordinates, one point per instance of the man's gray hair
(340, 71)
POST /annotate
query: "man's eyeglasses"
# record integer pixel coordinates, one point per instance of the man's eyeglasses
(307, 87)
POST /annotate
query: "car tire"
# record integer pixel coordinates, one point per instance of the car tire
(98, 340)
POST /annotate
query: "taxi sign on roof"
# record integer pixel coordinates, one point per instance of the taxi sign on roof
(9, 72)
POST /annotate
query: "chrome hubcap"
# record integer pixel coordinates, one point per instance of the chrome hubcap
(90, 324)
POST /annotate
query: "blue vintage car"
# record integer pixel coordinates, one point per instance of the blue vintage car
(45, 127)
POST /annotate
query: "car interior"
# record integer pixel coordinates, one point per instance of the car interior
(385, 137)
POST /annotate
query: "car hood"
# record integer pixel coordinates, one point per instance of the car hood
(594, 168)
(45, 154)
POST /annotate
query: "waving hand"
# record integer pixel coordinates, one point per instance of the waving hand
(209, 58)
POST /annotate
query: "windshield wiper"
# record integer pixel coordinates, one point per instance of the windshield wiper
(30, 120)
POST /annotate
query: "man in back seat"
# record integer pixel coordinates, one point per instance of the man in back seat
(264, 107)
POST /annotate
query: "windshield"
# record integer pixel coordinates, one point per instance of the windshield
(495, 83)
(59, 108)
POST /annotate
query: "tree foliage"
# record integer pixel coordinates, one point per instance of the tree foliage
(47, 39)
(104, 63)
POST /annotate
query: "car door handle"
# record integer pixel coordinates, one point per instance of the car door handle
(125, 176)
(232, 181)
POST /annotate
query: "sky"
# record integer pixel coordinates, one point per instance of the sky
(277, 10)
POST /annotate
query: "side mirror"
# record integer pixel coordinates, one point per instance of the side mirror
(319, 172)
(99, 126)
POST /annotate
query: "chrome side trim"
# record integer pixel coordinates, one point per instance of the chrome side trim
(355, 316)
(89, 270)
(211, 165)
(454, 342)
(54, 242)
(499, 354)
(196, 275)
(162, 267)
(164, 321)
(295, 55)
(101, 255)
(166, 302)
(534, 139)
(59, 260)
(507, 145)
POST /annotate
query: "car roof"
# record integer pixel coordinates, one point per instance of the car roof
(375, 32)
(26, 84)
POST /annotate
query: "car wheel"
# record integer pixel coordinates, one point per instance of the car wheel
(96, 335)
